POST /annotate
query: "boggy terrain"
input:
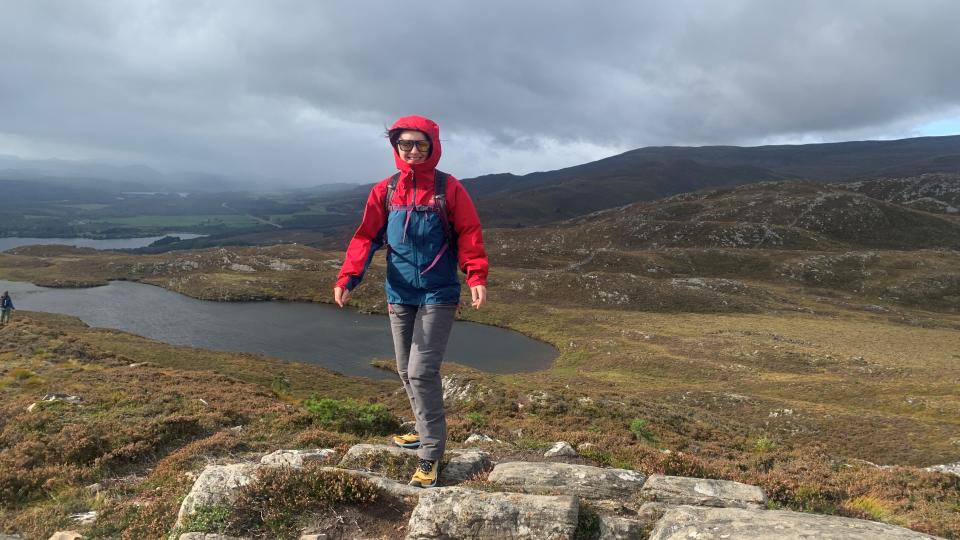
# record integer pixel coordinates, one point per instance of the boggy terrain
(800, 368)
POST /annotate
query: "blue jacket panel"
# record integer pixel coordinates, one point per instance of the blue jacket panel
(410, 254)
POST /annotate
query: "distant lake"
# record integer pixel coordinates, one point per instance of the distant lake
(339, 339)
(150, 193)
(112, 243)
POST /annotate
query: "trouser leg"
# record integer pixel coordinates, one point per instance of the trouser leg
(430, 335)
(402, 319)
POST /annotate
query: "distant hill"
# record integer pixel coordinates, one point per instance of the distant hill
(651, 173)
(929, 192)
(776, 215)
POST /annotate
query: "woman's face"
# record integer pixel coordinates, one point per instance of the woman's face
(413, 147)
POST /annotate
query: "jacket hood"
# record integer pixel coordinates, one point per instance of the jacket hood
(432, 130)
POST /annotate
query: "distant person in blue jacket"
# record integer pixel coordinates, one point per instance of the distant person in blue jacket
(6, 305)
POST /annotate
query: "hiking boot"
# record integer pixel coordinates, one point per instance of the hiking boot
(426, 475)
(410, 440)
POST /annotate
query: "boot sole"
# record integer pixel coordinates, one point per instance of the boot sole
(420, 485)
(407, 445)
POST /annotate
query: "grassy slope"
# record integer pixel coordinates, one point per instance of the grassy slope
(768, 383)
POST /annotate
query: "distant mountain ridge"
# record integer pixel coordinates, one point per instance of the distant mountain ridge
(772, 215)
(654, 172)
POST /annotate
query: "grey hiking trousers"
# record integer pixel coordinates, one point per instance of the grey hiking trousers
(420, 336)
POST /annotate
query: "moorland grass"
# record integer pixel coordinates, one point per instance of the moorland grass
(788, 394)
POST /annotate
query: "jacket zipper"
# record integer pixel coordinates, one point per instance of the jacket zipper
(413, 239)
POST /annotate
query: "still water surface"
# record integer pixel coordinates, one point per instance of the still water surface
(339, 339)
(112, 243)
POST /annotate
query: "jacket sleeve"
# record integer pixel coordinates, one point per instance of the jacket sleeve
(466, 224)
(368, 238)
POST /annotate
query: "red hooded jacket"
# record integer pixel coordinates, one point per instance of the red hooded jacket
(417, 182)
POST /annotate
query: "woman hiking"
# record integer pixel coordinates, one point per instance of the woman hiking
(430, 227)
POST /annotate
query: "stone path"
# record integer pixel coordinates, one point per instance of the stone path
(549, 500)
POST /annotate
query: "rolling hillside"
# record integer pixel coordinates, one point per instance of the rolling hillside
(776, 215)
(651, 173)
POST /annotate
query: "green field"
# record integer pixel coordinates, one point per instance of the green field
(220, 220)
(91, 206)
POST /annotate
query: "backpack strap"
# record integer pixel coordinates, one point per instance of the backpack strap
(440, 206)
(440, 202)
(391, 188)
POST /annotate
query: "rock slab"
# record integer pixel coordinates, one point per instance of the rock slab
(946, 468)
(561, 449)
(296, 458)
(581, 480)
(215, 484)
(385, 485)
(464, 466)
(618, 528)
(208, 536)
(360, 451)
(703, 492)
(455, 512)
(703, 523)
(65, 535)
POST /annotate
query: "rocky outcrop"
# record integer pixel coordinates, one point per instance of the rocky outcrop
(702, 492)
(49, 398)
(363, 453)
(543, 501)
(460, 513)
(561, 449)
(946, 468)
(685, 522)
(216, 484)
(297, 458)
(460, 388)
(207, 536)
(581, 480)
(618, 528)
(386, 486)
(463, 464)
(65, 535)
(477, 438)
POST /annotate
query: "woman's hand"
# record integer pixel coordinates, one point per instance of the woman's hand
(340, 295)
(479, 295)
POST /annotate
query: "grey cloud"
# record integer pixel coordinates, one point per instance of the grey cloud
(266, 88)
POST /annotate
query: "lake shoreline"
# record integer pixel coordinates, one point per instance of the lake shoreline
(98, 242)
(291, 330)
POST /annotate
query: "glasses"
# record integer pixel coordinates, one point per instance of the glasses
(407, 146)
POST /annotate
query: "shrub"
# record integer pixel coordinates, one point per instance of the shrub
(318, 437)
(477, 419)
(279, 498)
(352, 417)
(638, 426)
(395, 466)
(869, 507)
(208, 519)
(764, 444)
(21, 374)
(280, 385)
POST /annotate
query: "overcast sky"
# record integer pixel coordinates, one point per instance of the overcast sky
(299, 91)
